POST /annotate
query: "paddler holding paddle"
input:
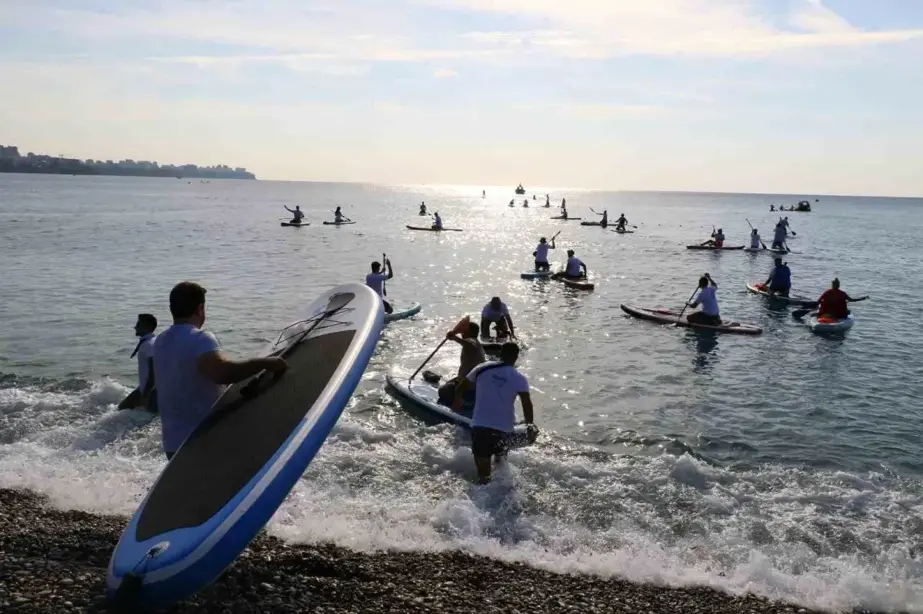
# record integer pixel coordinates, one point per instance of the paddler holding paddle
(780, 279)
(297, 214)
(833, 302)
(466, 335)
(541, 253)
(708, 299)
(437, 221)
(496, 312)
(575, 268)
(376, 281)
(621, 223)
(717, 239)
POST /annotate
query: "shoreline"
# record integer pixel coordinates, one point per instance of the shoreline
(55, 561)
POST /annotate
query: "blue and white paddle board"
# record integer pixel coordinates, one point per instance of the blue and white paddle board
(401, 313)
(233, 472)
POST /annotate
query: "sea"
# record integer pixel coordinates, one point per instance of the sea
(786, 465)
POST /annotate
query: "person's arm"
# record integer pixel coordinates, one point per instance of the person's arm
(711, 281)
(289, 210)
(771, 275)
(219, 369)
(583, 266)
(509, 322)
(390, 269)
(527, 410)
(149, 386)
(552, 242)
(453, 336)
(850, 299)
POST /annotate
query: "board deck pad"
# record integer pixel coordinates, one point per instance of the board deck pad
(244, 434)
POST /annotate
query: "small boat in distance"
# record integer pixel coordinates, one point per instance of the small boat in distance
(520, 189)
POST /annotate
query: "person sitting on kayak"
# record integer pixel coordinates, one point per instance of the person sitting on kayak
(755, 241)
(472, 354)
(494, 418)
(717, 239)
(708, 299)
(779, 236)
(575, 268)
(541, 254)
(496, 312)
(376, 281)
(621, 223)
(423, 208)
(832, 303)
(297, 214)
(437, 221)
(780, 279)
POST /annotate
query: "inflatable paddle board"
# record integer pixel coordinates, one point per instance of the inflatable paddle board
(338, 223)
(401, 314)
(296, 225)
(423, 398)
(566, 219)
(409, 227)
(829, 325)
(536, 274)
(757, 288)
(662, 316)
(230, 476)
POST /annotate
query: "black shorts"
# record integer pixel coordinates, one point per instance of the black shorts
(387, 306)
(542, 266)
(487, 442)
(697, 317)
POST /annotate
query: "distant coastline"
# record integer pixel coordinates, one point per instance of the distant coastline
(12, 162)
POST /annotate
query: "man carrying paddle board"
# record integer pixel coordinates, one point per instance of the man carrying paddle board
(466, 335)
(780, 279)
(708, 299)
(498, 384)
(192, 372)
(496, 312)
(376, 281)
(541, 254)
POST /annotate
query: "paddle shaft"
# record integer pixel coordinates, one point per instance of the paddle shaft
(384, 263)
(428, 358)
(751, 228)
(686, 304)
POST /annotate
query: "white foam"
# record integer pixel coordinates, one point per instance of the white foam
(824, 539)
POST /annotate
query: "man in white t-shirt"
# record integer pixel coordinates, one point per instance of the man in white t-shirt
(376, 281)
(541, 254)
(575, 269)
(192, 372)
(144, 395)
(497, 385)
(497, 313)
(708, 299)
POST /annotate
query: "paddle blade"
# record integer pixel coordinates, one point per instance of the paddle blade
(462, 325)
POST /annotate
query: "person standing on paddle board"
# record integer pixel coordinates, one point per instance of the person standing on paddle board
(833, 302)
(575, 268)
(144, 395)
(708, 299)
(717, 239)
(541, 254)
(605, 221)
(423, 208)
(437, 221)
(779, 236)
(297, 214)
(621, 223)
(192, 372)
(376, 281)
(780, 279)
(755, 241)
(496, 312)
(497, 385)
(472, 354)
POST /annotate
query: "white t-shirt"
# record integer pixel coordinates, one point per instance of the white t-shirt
(490, 315)
(495, 395)
(708, 300)
(145, 353)
(541, 252)
(754, 241)
(574, 265)
(184, 395)
(376, 281)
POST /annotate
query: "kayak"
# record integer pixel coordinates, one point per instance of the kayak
(754, 250)
(409, 227)
(423, 397)
(709, 247)
(337, 223)
(567, 219)
(536, 274)
(401, 314)
(663, 316)
(577, 284)
(756, 288)
(825, 324)
(593, 224)
(296, 225)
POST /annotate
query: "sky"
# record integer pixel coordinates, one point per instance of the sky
(773, 96)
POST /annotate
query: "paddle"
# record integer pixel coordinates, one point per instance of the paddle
(384, 284)
(686, 304)
(761, 241)
(462, 324)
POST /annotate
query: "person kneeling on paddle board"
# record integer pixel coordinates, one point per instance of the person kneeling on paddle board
(575, 268)
(192, 372)
(497, 384)
(437, 221)
(780, 279)
(755, 241)
(717, 239)
(144, 395)
(621, 223)
(376, 281)
(297, 214)
(541, 254)
(496, 312)
(833, 302)
(709, 315)
(338, 216)
(472, 354)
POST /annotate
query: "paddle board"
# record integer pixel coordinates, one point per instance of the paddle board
(668, 317)
(423, 398)
(535, 274)
(624, 232)
(830, 326)
(295, 225)
(778, 252)
(577, 284)
(232, 473)
(409, 227)
(593, 224)
(401, 314)
(709, 247)
(566, 219)
(756, 288)
(338, 223)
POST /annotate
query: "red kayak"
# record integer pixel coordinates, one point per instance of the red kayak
(669, 317)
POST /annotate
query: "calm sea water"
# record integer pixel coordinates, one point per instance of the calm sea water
(786, 464)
